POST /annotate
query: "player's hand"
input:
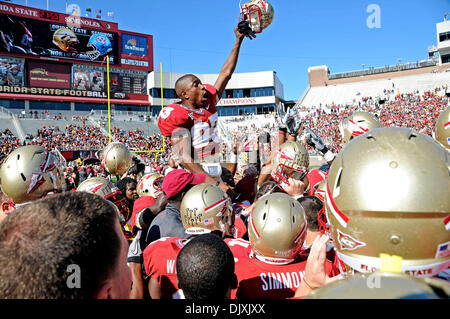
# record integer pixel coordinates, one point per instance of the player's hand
(243, 28)
(227, 189)
(315, 272)
(281, 115)
(293, 124)
(295, 187)
(315, 141)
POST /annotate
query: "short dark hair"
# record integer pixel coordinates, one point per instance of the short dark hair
(312, 206)
(40, 240)
(268, 187)
(180, 83)
(122, 184)
(179, 197)
(205, 268)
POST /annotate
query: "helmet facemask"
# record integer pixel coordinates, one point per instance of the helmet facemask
(150, 185)
(287, 168)
(259, 14)
(94, 53)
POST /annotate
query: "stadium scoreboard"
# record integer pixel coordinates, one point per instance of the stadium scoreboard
(43, 52)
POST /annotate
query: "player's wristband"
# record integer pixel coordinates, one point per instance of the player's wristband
(329, 156)
(298, 196)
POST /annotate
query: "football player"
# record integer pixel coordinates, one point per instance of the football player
(105, 188)
(149, 189)
(191, 124)
(272, 267)
(312, 205)
(205, 208)
(392, 203)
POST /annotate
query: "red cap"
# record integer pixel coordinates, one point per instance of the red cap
(177, 179)
(139, 204)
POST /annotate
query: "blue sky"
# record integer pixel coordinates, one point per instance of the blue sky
(197, 36)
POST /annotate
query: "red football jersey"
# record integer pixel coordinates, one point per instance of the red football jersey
(315, 177)
(202, 123)
(159, 262)
(260, 280)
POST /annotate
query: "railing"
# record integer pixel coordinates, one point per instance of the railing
(394, 68)
(18, 128)
(5, 110)
(300, 100)
(60, 156)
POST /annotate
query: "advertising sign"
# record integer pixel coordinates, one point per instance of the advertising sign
(49, 75)
(134, 44)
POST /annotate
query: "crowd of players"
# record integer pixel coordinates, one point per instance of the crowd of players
(194, 228)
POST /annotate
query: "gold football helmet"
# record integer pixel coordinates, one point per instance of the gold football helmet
(319, 192)
(383, 285)
(259, 14)
(357, 124)
(150, 185)
(116, 158)
(29, 173)
(65, 39)
(106, 189)
(291, 160)
(388, 193)
(277, 228)
(206, 208)
(442, 130)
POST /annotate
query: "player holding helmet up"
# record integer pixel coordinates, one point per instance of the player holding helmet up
(191, 124)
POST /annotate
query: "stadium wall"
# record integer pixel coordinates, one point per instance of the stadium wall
(318, 76)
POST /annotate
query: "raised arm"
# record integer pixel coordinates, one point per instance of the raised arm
(229, 66)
